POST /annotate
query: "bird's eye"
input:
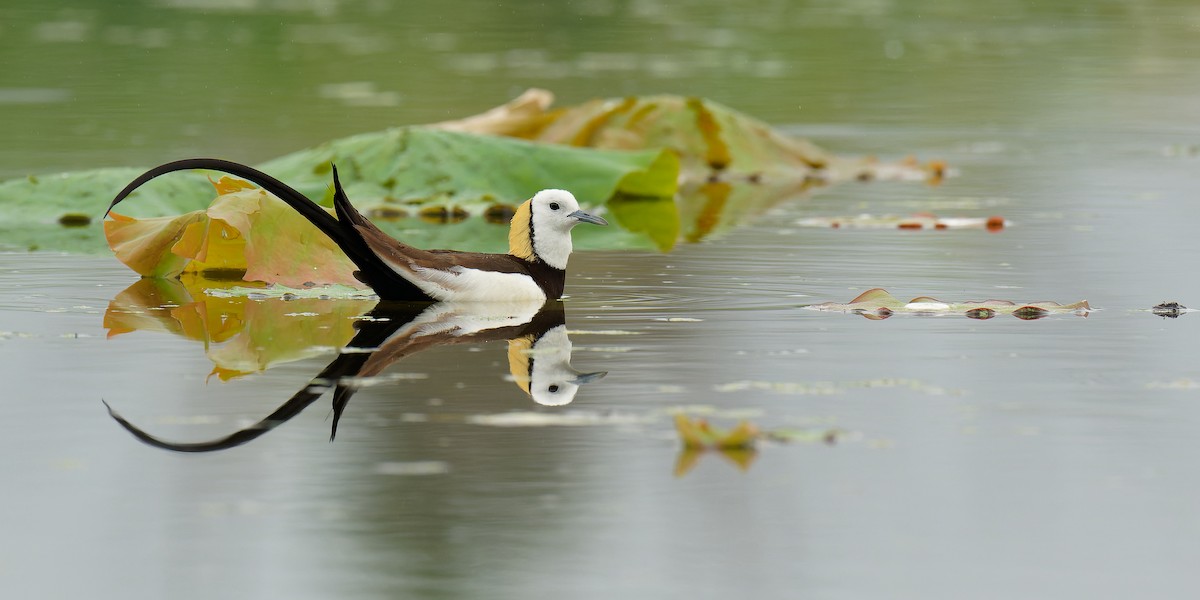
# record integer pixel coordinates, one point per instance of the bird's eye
(553, 206)
(553, 388)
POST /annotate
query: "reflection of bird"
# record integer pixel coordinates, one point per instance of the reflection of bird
(539, 243)
(539, 358)
(539, 351)
(541, 365)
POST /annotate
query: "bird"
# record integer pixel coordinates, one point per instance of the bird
(534, 268)
(539, 359)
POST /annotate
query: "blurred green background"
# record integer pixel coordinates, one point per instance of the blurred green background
(87, 84)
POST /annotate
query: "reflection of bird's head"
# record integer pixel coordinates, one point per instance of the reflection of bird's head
(541, 227)
(542, 367)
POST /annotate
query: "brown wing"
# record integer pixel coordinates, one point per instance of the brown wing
(401, 256)
(407, 257)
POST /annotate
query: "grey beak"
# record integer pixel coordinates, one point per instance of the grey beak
(583, 378)
(586, 218)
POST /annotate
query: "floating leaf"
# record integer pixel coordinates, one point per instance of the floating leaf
(148, 245)
(719, 166)
(239, 232)
(806, 436)
(707, 136)
(877, 303)
(32, 209)
(920, 221)
(698, 437)
(699, 434)
(424, 166)
(829, 388)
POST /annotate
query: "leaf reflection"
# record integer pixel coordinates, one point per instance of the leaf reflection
(240, 335)
(539, 352)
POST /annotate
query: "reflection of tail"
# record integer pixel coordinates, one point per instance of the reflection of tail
(372, 271)
(371, 333)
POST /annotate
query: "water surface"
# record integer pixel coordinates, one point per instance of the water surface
(982, 459)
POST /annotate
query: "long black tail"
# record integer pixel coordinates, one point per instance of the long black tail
(372, 271)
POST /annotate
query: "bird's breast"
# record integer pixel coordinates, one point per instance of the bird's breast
(465, 283)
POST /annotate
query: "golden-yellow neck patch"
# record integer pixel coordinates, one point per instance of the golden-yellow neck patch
(518, 360)
(520, 238)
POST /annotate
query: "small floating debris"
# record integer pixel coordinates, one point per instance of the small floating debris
(420, 467)
(877, 304)
(1182, 383)
(738, 445)
(909, 169)
(920, 221)
(1181, 150)
(1169, 310)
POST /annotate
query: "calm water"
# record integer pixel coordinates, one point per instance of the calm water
(976, 459)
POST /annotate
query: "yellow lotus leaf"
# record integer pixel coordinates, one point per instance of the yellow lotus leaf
(213, 245)
(245, 229)
(280, 245)
(146, 245)
(229, 185)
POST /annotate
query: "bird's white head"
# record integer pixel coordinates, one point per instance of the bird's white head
(541, 227)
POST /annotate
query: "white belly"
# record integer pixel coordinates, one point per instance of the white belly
(471, 285)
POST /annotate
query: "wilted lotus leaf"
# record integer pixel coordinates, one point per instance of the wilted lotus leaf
(733, 166)
(245, 229)
(877, 303)
(148, 245)
(708, 137)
